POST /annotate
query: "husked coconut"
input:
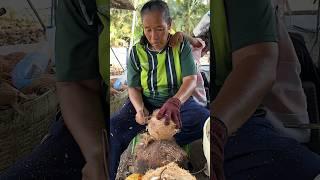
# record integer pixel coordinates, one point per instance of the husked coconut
(158, 130)
(151, 154)
(170, 171)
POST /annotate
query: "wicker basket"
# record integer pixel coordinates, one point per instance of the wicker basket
(20, 132)
(116, 102)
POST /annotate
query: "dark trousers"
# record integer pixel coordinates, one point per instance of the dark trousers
(258, 152)
(123, 128)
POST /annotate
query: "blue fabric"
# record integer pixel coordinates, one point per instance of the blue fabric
(257, 151)
(123, 128)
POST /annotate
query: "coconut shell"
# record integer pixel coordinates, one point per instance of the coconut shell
(40, 85)
(151, 154)
(158, 130)
(168, 172)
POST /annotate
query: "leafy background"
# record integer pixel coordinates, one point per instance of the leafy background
(185, 14)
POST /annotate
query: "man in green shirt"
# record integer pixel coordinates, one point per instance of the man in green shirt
(74, 149)
(249, 45)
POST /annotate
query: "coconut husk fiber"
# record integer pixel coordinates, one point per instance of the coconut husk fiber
(9, 61)
(170, 171)
(40, 85)
(9, 95)
(151, 154)
(158, 130)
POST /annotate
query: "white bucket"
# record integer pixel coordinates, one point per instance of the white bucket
(206, 143)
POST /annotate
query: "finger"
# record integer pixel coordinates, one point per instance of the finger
(146, 112)
(179, 120)
(176, 121)
(167, 118)
(160, 113)
(139, 119)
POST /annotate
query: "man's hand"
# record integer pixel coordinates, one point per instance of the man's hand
(219, 135)
(176, 39)
(170, 110)
(94, 170)
(142, 115)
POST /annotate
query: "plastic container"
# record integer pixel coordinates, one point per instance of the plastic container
(206, 142)
(30, 67)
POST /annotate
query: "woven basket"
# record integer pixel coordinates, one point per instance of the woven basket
(20, 132)
(116, 102)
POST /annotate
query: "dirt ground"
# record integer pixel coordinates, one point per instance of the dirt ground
(197, 161)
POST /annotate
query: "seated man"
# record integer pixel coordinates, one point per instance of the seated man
(256, 68)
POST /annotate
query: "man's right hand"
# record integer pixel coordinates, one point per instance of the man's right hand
(219, 136)
(141, 116)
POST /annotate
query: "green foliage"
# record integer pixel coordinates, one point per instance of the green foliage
(185, 14)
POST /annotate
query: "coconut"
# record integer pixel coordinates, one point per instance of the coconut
(40, 85)
(151, 154)
(134, 176)
(170, 171)
(158, 130)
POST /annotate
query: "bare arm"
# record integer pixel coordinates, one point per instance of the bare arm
(82, 111)
(187, 88)
(252, 77)
(135, 97)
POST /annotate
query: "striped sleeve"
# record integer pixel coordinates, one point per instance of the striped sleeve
(133, 68)
(188, 66)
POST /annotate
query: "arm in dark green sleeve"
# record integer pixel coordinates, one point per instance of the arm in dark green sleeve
(188, 66)
(133, 75)
(250, 22)
(76, 47)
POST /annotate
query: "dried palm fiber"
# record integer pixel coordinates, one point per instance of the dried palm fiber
(9, 61)
(118, 100)
(151, 154)
(170, 171)
(5, 77)
(9, 95)
(158, 130)
(126, 164)
(15, 56)
(112, 81)
(21, 131)
(40, 85)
